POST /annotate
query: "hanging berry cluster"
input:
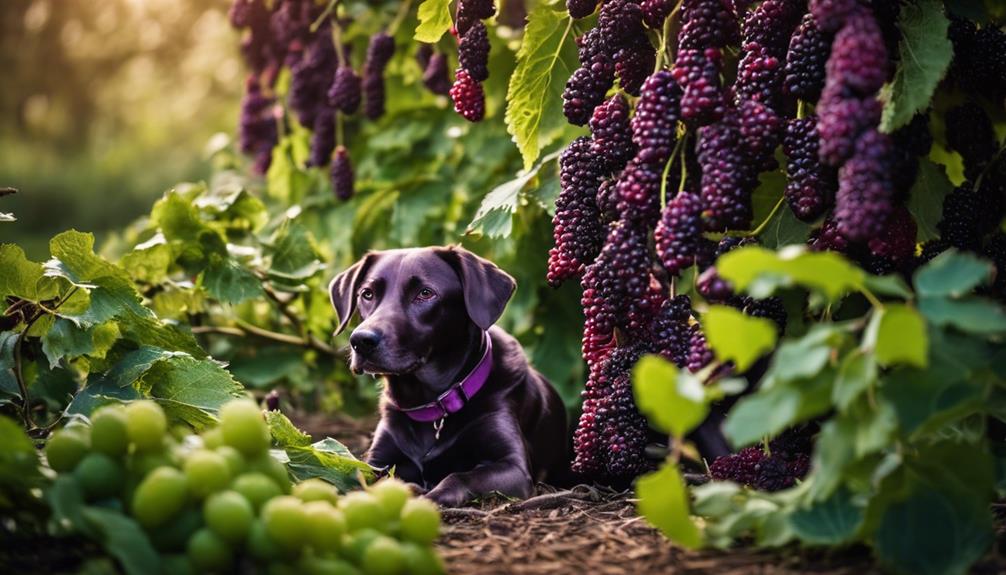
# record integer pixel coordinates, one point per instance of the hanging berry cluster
(473, 58)
(304, 37)
(678, 144)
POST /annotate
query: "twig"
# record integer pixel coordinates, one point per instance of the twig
(29, 423)
(247, 329)
(462, 513)
(544, 501)
(7, 191)
(696, 478)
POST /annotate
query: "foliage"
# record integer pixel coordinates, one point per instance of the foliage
(903, 394)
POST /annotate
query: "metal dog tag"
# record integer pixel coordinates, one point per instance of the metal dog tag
(438, 425)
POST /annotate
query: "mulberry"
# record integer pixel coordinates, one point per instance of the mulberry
(576, 227)
(323, 138)
(342, 174)
(468, 97)
(473, 52)
(678, 235)
(727, 177)
(864, 196)
(611, 135)
(804, 73)
(810, 188)
(654, 126)
(345, 94)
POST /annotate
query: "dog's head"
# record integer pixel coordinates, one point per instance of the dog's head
(414, 301)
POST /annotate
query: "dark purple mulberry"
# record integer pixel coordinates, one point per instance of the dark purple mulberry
(581, 8)
(698, 73)
(841, 121)
(379, 52)
(830, 15)
(611, 135)
(810, 189)
(897, 240)
(473, 52)
(342, 174)
(808, 53)
(436, 77)
(654, 126)
(858, 56)
(761, 131)
(728, 178)
(959, 226)
(257, 129)
(678, 235)
(707, 24)
(345, 94)
(576, 227)
(699, 354)
(740, 467)
(655, 12)
(863, 203)
(638, 191)
(633, 64)
(584, 91)
(323, 138)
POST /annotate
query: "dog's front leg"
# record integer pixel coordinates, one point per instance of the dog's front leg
(506, 469)
(384, 454)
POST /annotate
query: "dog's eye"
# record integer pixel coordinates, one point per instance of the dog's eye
(425, 293)
(367, 294)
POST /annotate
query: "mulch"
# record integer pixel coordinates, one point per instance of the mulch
(585, 530)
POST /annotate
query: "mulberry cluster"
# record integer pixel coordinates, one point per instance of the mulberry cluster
(787, 462)
(970, 133)
(380, 49)
(678, 235)
(346, 93)
(311, 78)
(576, 226)
(707, 27)
(728, 178)
(979, 64)
(623, 269)
(804, 73)
(257, 128)
(473, 58)
(669, 334)
(810, 189)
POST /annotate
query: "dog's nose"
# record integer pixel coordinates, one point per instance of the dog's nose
(364, 340)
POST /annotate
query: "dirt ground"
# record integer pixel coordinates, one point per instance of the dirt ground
(589, 530)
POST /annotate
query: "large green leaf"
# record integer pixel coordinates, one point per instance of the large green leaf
(803, 357)
(149, 262)
(761, 271)
(494, 218)
(434, 20)
(925, 56)
(543, 64)
(329, 460)
(769, 411)
(284, 432)
(857, 373)
(66, 339)
(952, 274)
(974, 315)
(123, 539)
(23, 278)
(833, 521)
(229, 282)
(898, 334)
(930, 396)
(663, 501)
(926, 198)
(734, 336)
(191, 389)
(673, 401)
(293, 255)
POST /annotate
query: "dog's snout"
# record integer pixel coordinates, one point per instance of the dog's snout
(364, 340)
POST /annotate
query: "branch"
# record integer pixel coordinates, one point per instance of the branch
(29, 423)
(247, 329)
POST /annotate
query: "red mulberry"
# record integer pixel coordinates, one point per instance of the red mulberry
(468, 97)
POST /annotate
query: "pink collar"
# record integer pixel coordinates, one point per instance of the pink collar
(457, 395)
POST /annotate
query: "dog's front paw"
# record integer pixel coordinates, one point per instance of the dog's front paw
(448, 495)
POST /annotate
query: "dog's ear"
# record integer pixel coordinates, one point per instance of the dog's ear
(487, 289)
(343, 288)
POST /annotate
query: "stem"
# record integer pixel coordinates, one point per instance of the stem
(18, 362)
(761, 227)
(663, 176)
(403, 10)
(684, 166)
(874, 301)
(339, 138)
(245, 329)
(337, 40)
(328, 12)
(800, 109)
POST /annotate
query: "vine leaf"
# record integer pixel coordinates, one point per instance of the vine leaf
(663, 500)
(900, 335)
(736, 337)
(926, 199)
(925, 55)
(434, 20)
(673, 401)
(538, 80)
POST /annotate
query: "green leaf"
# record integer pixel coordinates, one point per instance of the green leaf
(538, 79)
(925, 56)
(769, 411)
(826, 272)
(890, 285)
(930, 397)
(229, 282)
(663, 501)
(673, 401)
(98, 392)
(833, 521)
(833, 452)
(434, 19)
(19, 462)
(925, 201)
(973, 315)
(952, 274)
(22, 278)
(293, 254)
(191, 389)
(734, 336)
(857, 373)
(933, 533)
(804, 357)
(901, 336)
(329, 460)
(284, 433)
(123, 539)
(66, 339)
(494, 217)
(149, 261)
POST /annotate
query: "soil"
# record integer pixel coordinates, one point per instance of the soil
(584, 530)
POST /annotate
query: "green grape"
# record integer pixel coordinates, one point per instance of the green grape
(383, 557)
(260, 544)
(212, 438)
(286, 521)
(316, 490)
(420, 521)
(326, 566)
(207, 472)
(326, 525)
(146, 424)
(175, 534)
(420, 560)
(177, 565)
(209, 552)
(392, 495)
(257, 488)
(109, 433)
(244, 428)
(100, 476)
(160, 496)
(355, 543)
(235, 461)
(274, 469)
(363, 510)
(229, 515)
(66, 448)
(142, 464)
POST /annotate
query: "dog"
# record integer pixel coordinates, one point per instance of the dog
(463, 414)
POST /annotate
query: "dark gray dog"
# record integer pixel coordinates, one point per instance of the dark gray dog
(463, 413)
